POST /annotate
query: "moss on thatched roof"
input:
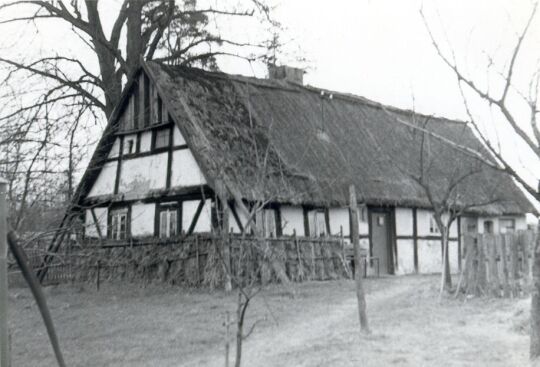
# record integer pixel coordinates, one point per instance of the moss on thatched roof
(270, 139)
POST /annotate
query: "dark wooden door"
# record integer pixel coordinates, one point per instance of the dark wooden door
(380, 241)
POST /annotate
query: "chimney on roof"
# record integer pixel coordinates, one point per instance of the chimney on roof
(287, 73)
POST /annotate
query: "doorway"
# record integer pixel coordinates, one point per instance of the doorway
(381, 245)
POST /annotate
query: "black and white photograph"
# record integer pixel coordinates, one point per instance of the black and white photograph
(269, 183)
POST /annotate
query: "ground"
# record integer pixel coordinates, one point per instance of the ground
(128, 325)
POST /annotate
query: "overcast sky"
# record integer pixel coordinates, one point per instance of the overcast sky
(379, 49)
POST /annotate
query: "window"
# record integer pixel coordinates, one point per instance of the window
(269, 222)
(317, 223)
(168, 222)
(433, 227)
(129, 146)
(488, 226)
(507, 225)
(161, 138)
(119, 223)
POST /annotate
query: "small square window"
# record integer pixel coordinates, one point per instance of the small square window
(129, 146)
(162, 138)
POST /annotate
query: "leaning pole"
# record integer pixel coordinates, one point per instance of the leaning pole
(4, 333)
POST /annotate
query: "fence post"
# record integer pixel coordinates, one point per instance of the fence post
(360, 295)
(4, 333)
(298, 257)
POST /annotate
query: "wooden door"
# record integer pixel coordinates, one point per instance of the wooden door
(380, 241)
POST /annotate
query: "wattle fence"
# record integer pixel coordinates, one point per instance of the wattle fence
(198, 260)
(498, 265)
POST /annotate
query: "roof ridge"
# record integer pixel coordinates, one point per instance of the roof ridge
(295, 87)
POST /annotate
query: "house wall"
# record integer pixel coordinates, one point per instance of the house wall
(142, 219)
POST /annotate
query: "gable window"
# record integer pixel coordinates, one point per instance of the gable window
(507, 225)
(168, 221)
(269, 222)
(129, 146)
(433, 227)
(119, 224)
(317, 223)
(162, 138)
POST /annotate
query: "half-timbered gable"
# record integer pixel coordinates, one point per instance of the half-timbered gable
(149, 174)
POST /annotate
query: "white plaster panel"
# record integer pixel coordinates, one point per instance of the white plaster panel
(453, 255)
(142, 219)
(90, 228)
(104, 184)
(404, 222)
(292, 218)
(339, 218)
(204, 223)
(405, 257)
(146, 141)
(363, 227)
(185, 170)
(454, 229)
(429, 256)
(423, 217)
(178, 139)
(140, 175)
(115, 150)
(521, 223)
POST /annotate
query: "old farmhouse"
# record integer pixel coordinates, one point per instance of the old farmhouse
(296, 148)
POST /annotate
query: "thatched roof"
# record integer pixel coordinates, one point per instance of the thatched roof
(312, 147)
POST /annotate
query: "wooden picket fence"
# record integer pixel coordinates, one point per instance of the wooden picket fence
(497, 265)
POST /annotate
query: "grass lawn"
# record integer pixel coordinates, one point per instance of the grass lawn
(127, 325)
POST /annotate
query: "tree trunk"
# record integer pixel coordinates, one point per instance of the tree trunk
(534, 352)
(360, 295)
(446, 277)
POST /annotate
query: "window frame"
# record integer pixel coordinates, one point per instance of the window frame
(168, 207)
(155, 133)
(114, 231)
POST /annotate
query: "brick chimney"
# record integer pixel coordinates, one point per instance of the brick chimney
(284, 72)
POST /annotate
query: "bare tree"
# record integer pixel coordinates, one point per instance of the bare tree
(509, 102)
(52, 100)
(443, 183)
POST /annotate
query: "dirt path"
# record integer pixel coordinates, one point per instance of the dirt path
(435, 335)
